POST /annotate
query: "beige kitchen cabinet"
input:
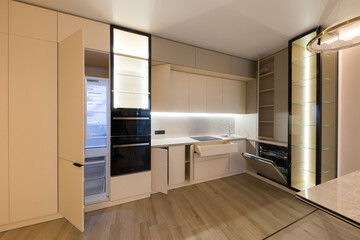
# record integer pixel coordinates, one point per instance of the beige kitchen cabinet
(176, 164)
(197, 93)
(71, 127)
(96, 34)
(243, 67)
(237, 163)
(214, 95)
(281, 96)
(4, 128)
(33, 22)
(212, 167)
(160, 88)
(4, 16)
(179, 91)
(137, 185)
(32, 127)
(213, 61)
(159, 170)
(167, 51)
(234, 96)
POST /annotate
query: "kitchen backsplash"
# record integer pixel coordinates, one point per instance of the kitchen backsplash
(185, 126)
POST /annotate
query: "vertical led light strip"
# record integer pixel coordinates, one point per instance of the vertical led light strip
(307, 121)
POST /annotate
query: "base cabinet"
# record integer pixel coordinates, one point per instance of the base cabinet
(210, 167)
(237, 163)
(130, 185)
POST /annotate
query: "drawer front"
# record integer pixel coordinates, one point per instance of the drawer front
(211, 168)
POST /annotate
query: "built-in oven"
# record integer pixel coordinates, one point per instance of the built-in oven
(130, 154)
(130, 126)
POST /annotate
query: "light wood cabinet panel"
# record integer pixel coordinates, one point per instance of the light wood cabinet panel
(160, 88)
(179, 91)
(234, 96)
(243, 67)
(4, 16)
(130, 185)
(164, 50)
(71, 128)
(159, 170)
(214, 95)
(213, 61)
(281, 96)
(176, 164)
(33, 22)
(197, 93)
(32, 128)
(96, 34)
(4, 128)
(237, 163)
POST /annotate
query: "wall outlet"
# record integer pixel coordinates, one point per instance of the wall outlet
(159, 132)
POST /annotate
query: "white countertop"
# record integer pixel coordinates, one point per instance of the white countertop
(163, 142)
(340, 195)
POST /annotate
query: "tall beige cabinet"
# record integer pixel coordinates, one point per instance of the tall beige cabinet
(4, 114)
(28, 114)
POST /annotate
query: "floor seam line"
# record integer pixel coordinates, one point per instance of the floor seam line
(290, 224)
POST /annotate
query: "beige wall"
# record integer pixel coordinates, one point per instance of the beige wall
(349, 111)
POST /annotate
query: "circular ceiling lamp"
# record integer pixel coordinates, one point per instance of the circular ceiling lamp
(341, 36)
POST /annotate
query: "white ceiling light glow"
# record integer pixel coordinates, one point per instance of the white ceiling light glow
(341, 36)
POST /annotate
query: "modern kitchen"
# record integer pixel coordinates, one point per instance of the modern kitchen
(179, 120)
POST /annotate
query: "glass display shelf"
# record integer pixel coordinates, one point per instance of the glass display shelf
(310, 125)
(302, 168)
(266, 90)
(132, 74)
(304, 80)
(311, 102)
(131, 92)
(305, 62)
(266, 122)
(310, 148)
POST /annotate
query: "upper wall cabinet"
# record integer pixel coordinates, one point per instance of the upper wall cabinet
(243, 67)
(234, 96)
(202, 61)
(96, 34)
(4, 16)
(214, 95)
(172, 52)
(33, 22)
(175, 91)
(213, 61)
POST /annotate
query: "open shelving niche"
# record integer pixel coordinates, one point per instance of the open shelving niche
(266, 98)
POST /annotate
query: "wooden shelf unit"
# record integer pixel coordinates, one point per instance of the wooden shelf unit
(266, 98)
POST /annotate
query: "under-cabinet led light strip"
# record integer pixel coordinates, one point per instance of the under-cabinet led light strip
(180, 114)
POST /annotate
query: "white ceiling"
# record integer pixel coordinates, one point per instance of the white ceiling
(244, 28)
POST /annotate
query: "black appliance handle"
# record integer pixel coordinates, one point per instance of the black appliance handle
(131, 118)
(78, 164)
(131, 145)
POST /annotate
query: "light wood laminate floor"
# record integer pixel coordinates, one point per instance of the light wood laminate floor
(237, 207)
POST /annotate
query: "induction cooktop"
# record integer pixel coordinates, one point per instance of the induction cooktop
(205, 138)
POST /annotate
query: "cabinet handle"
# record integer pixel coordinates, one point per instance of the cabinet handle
(78, 164)
(131, 145)
(131, 118)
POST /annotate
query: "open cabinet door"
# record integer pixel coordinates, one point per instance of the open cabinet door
(71, 128)
(159, 170)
